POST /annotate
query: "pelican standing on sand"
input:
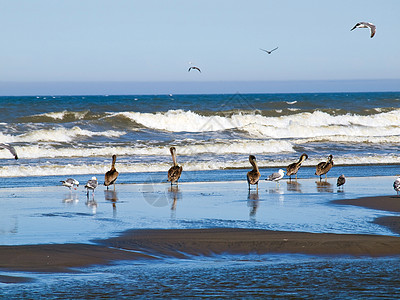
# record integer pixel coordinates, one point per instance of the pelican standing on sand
(294, 167)
(276, 176)
(70, 183)
(254, 175)
(324, 167)
(371, 27)
(91, 185)
(396, 185)
(341, 181)
(9, 148)
(111, 176)
(175, 171)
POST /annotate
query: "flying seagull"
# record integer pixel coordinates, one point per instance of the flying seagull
(195, 68)
(371, 26)
(9, 148)
(269, 52)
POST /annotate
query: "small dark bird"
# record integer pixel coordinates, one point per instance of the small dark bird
(341, 181)
(254, 175)
(9, 148)
(111, 176)
(293, 168)
(324, 167)
(371, 26)
(175, 171)
(194, 68)
(270, 51)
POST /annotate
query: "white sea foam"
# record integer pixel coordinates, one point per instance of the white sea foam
(59, 134)
(27, 170)
(62, 114)
(299, 125)
(218, 147)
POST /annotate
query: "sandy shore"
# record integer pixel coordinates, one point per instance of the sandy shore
(179, 243)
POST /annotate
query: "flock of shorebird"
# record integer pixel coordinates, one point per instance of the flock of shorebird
(322, 168)
(174, 173)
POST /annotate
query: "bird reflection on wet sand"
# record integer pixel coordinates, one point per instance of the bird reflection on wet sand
(111, 195)
(324, 187)
(71, 198)
(293, 186)
(253, 201)
(174, 194)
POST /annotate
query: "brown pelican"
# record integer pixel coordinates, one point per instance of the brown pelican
(294, 167)
(254, 175)
(9, 148)
(111, 176)
(371, 27)
(324, 167)
(269, 52)
(276, 176)
(194, 68)
(341, 181)
(396, 185)
(175, 171)
(70, 183)
(91, 185)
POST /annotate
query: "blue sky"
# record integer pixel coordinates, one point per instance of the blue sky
(154, 41)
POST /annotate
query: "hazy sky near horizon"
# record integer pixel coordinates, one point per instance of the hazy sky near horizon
(106, 40)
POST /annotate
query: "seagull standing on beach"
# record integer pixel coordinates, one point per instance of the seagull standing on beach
(396, 185)
(276, 176)
(111, 176)
(70, 183)
(175, 171)
(270, 51)
(371, 27)
(254, 175)
(341, 181)
(294, 167)
(91, 185)
(324, 167)
(9, 148)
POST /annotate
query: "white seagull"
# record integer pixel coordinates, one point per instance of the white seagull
(91, 185)
(396, 185)
(9, 148)
(70, 183)
(371, 26)
(276, 176)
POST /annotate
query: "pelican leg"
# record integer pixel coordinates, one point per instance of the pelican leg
(257, 186)
(296, 176)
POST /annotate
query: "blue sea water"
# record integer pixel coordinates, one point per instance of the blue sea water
(70, 135)
(60, 136)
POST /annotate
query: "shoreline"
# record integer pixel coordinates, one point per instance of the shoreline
(154, 244)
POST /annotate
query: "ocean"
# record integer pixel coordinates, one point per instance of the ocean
(74, 135)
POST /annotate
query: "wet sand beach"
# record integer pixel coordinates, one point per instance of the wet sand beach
(146, 244)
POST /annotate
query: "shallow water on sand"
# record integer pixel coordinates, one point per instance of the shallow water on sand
(52, 214)
(288, 277)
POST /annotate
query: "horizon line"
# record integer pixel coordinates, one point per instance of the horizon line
(35, 88)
